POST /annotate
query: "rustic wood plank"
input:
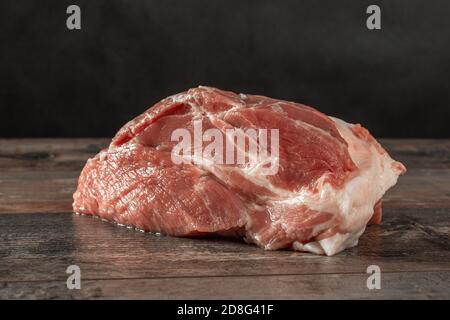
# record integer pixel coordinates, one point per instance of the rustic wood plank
(409, 285)
(48, 154)
(420, 153)
(420, 188)
(40, 247)
(37, 191)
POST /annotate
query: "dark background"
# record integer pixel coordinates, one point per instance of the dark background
(130, 54)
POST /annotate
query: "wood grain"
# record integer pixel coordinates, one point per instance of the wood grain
(40, 237)
(47, 154)
(423, 285)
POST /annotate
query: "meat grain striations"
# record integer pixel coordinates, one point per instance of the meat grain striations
(328, 184)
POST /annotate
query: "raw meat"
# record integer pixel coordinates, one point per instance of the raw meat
(329, 184)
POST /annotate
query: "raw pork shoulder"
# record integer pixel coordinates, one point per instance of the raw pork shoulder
(330, 178)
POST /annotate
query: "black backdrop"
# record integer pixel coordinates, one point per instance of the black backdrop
(130, 54)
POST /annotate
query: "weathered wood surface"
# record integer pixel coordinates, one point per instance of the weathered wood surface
(397, 285)
(40, 238)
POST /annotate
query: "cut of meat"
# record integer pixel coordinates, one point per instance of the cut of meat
(329, 182)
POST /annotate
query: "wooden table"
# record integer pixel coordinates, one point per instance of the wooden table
(40, 238)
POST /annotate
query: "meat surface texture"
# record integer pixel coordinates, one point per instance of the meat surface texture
(329, 184)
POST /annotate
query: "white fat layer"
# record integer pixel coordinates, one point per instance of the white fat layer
(354, 202)
(330, 245)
